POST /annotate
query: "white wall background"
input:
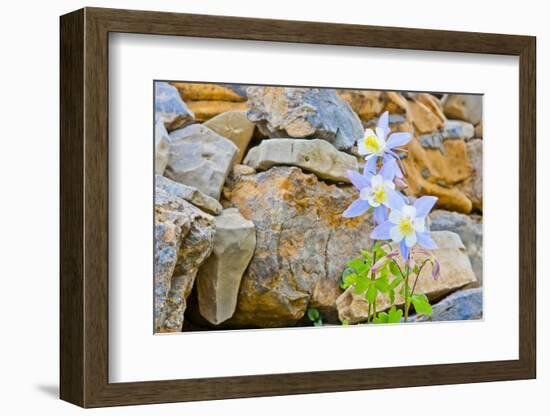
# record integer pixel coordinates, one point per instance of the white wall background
(29, 210)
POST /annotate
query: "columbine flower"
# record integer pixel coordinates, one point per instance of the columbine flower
(407, 225)
(374, 145)
(377, 191)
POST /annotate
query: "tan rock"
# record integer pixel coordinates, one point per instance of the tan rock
(191, 91)
(220, 275)
(424, 119)
(473, 185)
(205, 110)
(316, 156)
(456, 272)
(464, 107)
(170, 108)
(233, 125)
(478, 132)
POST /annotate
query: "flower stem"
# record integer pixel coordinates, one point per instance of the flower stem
(407, 296)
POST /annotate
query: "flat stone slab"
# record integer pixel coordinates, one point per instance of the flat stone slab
(315, 156)
(190, 194)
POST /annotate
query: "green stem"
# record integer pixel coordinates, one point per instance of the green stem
(407, 297)
(418, 275)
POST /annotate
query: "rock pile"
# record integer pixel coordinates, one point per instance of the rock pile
(249, 190)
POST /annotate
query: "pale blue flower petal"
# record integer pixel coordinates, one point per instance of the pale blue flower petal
(395, 199)
(356, 208)
(388, 168)
(370, 166)
(404, 249)
(424, 205)
(382, 232)
(398, 139)
(387, 158)
(426, 241)
(380, 214)
(358, 180)
(384, 124)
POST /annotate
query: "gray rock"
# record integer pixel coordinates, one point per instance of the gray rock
(170, 108)
(302, 245)
(316, 156)
(194, 249)
(463, 107)
(235, 126)
(453, 130)
(460, 306)
(470, 230)
(200, 158)
(162, 147)
(304, 113)
(473, 187)
(190, 194)
(220, 275)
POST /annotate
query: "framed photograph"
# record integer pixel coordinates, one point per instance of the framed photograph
(257, 207)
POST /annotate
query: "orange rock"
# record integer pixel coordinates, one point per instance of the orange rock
(190, 91)
(395, 102)
(424, 119)
(205, 110)
(366, 104)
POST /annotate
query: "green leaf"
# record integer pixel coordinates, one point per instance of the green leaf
(371, 293)
(394, 269)
(392, 295)
(416, 269)
(356, 264)
(318, 323)
(382, 284)
(421, 304)
(395, 282)
(313, 314)
(349, 277)
(367, 256)
(382, 318)
(361, 284)
(394, 315)
(345, 322)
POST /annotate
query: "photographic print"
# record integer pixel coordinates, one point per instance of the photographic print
(288, 206)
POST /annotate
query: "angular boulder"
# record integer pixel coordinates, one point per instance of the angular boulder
(200, 158)
(200, 91)
(463, 305)
(470, 230)
(464, 107)
(473, 186)
(235, 126)
(315, 156)
(302, 245)
(170, 228)
(220, 275)
(456, 272)
(170, 108)
(162, 147)
(304, 113)
(190, 194)
(195, 247)
(366, 104)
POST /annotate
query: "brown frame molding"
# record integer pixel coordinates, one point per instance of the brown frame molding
(84, 207)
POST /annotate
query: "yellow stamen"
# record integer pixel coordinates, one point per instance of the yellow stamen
(371, 143)
(405, 227)
(380, 195)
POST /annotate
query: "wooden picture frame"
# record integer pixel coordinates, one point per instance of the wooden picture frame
(84, 207)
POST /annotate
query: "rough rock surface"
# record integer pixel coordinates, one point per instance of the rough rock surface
(205, 110)
(170, 228)
(304, 113)
(464, 107)
(235, 126)
(456, 272)
(190, 194)
(200, 158)
(316, 156)
(302, 245)
(192, 91)
(470, 230)
(170, 108)
(366, 104)
(162, 147)
(460, 306)
(473, 186)
(220, 275)
(195, 247)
